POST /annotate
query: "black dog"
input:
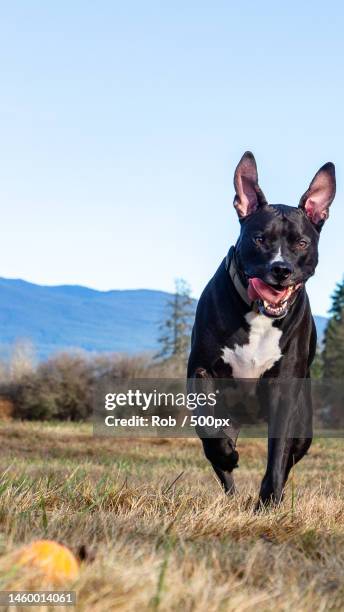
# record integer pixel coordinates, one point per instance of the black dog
(253, 319)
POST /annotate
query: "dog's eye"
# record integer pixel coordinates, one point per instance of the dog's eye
(302, 244)
(258, 239)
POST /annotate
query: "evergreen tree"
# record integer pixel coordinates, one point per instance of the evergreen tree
(317, 367)
(333, 355)
(337, 307)
(175, 331)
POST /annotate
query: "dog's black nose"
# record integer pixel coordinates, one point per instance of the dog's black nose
(281, 270)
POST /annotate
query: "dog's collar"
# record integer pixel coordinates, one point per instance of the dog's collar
(235, 278)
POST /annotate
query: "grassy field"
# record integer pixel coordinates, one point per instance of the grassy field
(156, 544)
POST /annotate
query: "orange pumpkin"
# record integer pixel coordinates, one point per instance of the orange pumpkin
(54, 561)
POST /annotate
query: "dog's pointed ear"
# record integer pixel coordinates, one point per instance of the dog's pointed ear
(248, 195)
(320, 195)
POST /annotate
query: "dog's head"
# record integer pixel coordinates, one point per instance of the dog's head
(277, 250)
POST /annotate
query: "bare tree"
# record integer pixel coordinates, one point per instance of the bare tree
(175, 330)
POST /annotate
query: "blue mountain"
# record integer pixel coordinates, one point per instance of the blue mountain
(73, 317)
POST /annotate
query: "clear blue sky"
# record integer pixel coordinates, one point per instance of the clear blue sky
(121, 124)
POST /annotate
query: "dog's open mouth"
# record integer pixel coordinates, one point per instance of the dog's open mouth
(272, 302)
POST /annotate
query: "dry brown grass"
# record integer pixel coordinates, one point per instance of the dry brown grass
(182, 546)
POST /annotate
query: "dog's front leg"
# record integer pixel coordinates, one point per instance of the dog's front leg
(289, 418)
(274, 480)
(219, 447)
(224, 458)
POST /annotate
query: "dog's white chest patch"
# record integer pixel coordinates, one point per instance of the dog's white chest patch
(260, 353)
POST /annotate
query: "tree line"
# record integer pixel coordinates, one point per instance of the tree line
(329, 360)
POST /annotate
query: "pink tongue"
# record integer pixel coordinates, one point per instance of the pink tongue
(258, 289)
